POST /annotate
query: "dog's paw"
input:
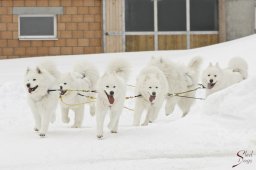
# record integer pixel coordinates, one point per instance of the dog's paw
(144, 124)
(167, 114)
(66, 120)
(36, 129)
(42, 135)
(113, 131)
(168, 111)
(100, 136)
(184, 114)
(76, 126)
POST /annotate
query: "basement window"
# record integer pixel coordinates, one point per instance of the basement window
(39, 27)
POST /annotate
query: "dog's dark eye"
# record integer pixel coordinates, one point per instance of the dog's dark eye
(150, 87)
(156, 87)
(114, 86)
(215, 75)
(34, 79)
(65, 83)
(208, 75)
(107, 86)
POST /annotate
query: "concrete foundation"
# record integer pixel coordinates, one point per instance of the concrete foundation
(240, 18)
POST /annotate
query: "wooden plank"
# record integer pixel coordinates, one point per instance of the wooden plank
(172, 42)
(113, 43)
(203, 40)
(139, 43)
(222, 20)
(114, 23)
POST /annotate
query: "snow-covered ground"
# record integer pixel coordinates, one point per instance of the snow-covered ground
(208, 138)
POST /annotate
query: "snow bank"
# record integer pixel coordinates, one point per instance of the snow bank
(208, 138)
(235, 103)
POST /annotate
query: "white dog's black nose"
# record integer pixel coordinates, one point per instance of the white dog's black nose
(211, 80)
(111, 93)
(61, 87)
(153, 93)
(28, 85)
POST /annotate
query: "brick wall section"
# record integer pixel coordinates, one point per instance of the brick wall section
(79, 29)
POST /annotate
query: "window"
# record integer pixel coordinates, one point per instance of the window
(160, 24)
(37, 27)
(172, 15)
(204, 15)
(139, 15)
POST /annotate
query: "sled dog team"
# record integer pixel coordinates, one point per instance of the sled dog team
(45, 87)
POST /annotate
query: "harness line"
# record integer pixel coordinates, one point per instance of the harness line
(87, 91)
(201, 86)
(129, 109)
(131, 97)
(89, 97)
(92, 99)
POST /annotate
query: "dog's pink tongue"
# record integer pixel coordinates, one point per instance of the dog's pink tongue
(29, 90)
(152, 98)
(111, 99)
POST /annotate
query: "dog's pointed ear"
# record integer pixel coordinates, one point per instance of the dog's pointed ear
(38, 70)
(210, 64)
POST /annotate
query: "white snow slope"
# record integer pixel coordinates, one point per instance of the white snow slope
(208, 138)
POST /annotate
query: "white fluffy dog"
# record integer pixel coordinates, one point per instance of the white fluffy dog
(83, 77)
(152, 86)
(39, 81)
(180, 79)
(111, 89)
(215, 78)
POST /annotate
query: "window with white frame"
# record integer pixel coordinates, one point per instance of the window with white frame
(37, 27)
(171, 17)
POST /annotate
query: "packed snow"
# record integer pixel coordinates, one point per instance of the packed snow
(209, 137)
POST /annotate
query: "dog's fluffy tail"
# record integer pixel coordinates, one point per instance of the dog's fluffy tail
(193, 71)
(88, 70)
(238, 64)
(195, 63)
(119, 67)
(51, 68)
